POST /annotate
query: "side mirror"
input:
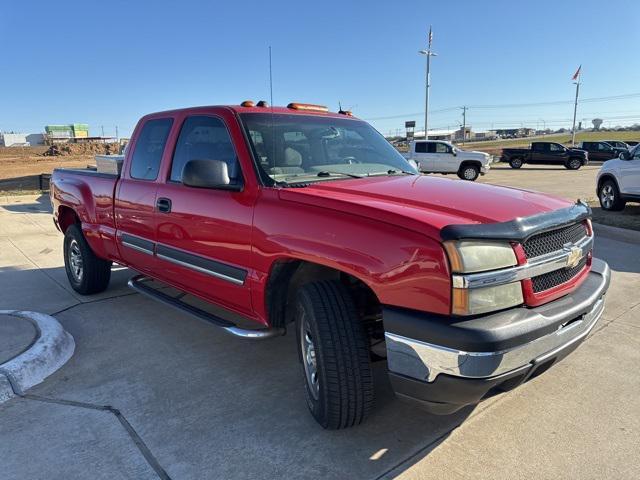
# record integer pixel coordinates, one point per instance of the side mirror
(208, 174)
(414, 164)
(454, 151)
(624, 155)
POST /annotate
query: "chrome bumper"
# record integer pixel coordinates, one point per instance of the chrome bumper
(425, 361)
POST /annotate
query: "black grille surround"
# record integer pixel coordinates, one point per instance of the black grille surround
(554, 240)
(549, 280)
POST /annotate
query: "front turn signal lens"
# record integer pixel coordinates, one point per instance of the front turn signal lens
(487, 299)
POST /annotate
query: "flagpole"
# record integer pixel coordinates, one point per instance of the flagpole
(575, 110)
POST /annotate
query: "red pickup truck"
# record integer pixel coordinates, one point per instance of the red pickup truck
(258, 219)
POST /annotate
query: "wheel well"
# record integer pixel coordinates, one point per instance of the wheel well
(603, 178)
(473, 163)
(288, 276)
(66, 217)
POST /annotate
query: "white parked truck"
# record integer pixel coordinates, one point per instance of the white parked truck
(438, 156)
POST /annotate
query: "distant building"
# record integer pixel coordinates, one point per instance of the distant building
(66, 133)
(14, 139)
(515, 132)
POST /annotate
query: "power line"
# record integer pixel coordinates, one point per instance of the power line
(516, 105)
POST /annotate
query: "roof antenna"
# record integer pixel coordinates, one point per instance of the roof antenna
(270, 77)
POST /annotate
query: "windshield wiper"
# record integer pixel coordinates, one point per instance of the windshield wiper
(326, 173)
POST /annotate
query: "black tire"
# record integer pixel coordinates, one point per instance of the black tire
(609, 196)
(573, 164)
(87, 273)
(516, 162)
(342, 394)
(469, 172)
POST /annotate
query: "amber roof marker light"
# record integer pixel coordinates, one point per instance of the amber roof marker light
(248, 104)
(307, 106)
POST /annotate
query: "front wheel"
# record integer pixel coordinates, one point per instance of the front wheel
(609, 196)
(86, 272)
(469, 172)
(574, 164)
(515, 162)
(334, 352)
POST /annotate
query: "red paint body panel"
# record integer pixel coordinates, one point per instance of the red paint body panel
(382, 230)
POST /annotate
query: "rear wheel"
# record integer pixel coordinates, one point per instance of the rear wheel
(609, 196)
(87, 273)
(574, 164)
(469, 172)
(515, 162)
(334, 352)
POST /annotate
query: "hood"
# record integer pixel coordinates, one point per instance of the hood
(578, 150)
(424, 203)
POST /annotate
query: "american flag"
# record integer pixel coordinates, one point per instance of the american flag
(430, 36)
(577, 74)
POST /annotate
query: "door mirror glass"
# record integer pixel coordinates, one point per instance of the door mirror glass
(208, 174)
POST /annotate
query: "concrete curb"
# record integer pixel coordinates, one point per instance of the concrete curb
(53, 347)
(615, 233)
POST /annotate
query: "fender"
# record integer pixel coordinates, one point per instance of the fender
(401, 266)
(92, 202)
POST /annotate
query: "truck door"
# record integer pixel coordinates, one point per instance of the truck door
(421, 155)
(557, 153)
(539, 152)
(445, 160)
(135, 198)
(204, 235)
(629, 177)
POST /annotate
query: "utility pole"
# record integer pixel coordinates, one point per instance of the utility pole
(576, 77)
(429, 53)
(117, 138)
(464, 124)
(102, 128)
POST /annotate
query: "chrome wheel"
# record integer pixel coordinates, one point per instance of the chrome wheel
(516, 163)
(607, 196)
(574, 164)
(309, 360)
(75, 261)
(469, 173)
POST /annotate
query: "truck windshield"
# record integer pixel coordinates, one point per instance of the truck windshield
(306, 148)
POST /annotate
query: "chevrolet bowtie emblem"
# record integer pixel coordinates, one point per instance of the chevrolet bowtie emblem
(575, 255)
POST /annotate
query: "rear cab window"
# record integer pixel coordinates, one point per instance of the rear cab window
(149, 147)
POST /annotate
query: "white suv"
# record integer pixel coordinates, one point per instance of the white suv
(435, 156)
(619, 180)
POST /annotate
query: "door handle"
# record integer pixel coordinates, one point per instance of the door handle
(164, 205)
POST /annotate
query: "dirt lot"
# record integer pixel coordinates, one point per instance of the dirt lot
(21, 167)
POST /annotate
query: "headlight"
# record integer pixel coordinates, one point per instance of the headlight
(487, 299)
(468, 256)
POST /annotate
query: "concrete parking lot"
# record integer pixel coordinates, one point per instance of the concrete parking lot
(186, 401)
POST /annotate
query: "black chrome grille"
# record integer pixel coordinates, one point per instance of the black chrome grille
(553, 240)
(558, 277)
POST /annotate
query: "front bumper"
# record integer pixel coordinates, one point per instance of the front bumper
(445, 363)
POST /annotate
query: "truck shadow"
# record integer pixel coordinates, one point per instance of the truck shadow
(41, 204)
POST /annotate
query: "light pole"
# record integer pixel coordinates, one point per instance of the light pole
(429, 53)
(576, 78)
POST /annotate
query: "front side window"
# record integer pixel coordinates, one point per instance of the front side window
(306, 148)
(442, 148)
(603, 147)
(556, 148)
(204, 138)
(147, 155)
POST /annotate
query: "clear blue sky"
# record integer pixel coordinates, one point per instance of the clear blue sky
(109, 62)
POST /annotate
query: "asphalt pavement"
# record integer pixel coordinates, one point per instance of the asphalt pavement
(153, 393)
